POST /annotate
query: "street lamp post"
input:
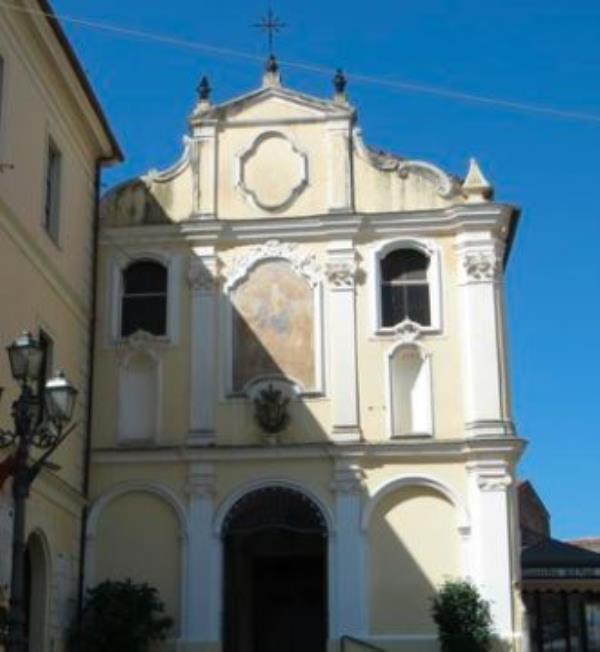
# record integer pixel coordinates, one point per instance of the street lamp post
(39, 421)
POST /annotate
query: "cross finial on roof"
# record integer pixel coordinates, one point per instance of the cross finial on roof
(271, 25)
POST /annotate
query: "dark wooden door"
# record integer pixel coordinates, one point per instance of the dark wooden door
(289, 604)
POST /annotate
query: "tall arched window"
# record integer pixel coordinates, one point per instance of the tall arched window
(405, 288)
(144, 301)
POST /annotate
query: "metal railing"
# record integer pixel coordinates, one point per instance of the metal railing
(345, 639)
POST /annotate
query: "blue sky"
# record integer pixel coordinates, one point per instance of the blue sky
(528, 50)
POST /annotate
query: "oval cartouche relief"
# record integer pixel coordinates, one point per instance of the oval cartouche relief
(272, 171)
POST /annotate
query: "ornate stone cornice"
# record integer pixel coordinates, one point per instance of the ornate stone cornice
(341, 273)
(141, 341)
(481, 265)
(201, 278)
(303, 264)
(407, 331)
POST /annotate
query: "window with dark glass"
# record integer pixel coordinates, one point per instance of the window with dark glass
(405, 288)
(52, 190)
(144, 305)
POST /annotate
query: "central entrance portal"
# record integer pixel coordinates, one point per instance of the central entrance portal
(275, 544)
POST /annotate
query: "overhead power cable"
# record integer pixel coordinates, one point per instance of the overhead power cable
(412, 87)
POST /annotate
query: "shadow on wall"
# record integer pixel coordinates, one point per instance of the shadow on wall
(274, 329)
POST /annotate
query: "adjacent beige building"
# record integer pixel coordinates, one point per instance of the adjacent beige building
(53, 140)
(354, 301)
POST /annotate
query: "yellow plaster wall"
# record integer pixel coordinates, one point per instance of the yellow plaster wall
(138, 537)
(413, 548)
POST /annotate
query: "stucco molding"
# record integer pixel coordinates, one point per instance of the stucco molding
(242, 160)
(303, 264)
(429, 482)
(341, 273)
(444, 185)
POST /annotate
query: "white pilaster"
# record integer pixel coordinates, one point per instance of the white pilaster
(339, 182)
(341, 325)
(484, 385)
(203, 281)
(205, 168)
(490, 546)
(350, 560)
(202, 614)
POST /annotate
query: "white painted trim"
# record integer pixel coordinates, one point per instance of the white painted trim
(426, 357)
(450, 450)
(116, 266)
(464, 519)
(139, 486)
(434, 278)
(423, 223)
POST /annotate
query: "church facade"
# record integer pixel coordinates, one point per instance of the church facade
(304, 343)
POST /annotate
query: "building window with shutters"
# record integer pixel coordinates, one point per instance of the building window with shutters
(405, 287)
(144, 299)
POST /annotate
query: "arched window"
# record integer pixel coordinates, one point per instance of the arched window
(405, 288)
(410, 396)
(144, 302)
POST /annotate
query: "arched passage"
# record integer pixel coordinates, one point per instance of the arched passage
(37, 580)
(275, 566)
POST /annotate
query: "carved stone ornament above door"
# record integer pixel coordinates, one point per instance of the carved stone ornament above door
(272, 172)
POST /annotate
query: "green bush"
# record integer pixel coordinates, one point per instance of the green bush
(121, 617)
(462, 617)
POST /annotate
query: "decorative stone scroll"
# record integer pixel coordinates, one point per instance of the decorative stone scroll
(341, 274)
(482, 266)
(304, 264)
(407, 331)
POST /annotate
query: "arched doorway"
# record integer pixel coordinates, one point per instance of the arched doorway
(36, 592)
(275, 552)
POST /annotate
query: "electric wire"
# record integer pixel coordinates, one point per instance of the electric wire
(413, 87)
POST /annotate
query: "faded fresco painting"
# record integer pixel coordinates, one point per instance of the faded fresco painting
(273, 326)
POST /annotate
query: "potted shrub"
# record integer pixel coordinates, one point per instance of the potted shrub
(121, 617)
(462, 617)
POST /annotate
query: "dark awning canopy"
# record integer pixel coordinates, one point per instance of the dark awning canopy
(554, 559)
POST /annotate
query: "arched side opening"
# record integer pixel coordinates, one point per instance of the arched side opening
(275, 567)
(37, 581)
